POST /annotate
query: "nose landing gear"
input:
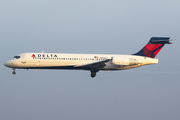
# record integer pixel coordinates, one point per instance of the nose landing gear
(14, 72)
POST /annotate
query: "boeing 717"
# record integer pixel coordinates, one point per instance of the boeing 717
(89, 62)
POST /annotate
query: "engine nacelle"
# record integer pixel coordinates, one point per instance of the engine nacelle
(124, 61)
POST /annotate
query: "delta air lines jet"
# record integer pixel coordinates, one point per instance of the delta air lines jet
(90, 62)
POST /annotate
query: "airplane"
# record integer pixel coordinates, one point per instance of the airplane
(90, 62)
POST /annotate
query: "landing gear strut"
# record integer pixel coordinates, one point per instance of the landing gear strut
(14, 72)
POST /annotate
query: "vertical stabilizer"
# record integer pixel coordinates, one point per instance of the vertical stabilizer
(153, 47)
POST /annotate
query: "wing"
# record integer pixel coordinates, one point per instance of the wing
(96, 66)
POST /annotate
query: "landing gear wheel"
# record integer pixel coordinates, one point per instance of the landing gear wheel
(13, 72)
(93, 74)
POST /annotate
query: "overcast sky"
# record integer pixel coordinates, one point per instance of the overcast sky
(96, 26)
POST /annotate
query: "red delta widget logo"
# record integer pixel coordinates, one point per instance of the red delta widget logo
(33, 56)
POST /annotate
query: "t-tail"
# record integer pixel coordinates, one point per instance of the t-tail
(153, 47)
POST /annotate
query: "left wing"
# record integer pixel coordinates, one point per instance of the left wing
(96, 66)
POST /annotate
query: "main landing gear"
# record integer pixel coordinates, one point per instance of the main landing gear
(93, 73)
(14, 72)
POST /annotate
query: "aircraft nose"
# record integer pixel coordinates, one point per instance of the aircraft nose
(8, 64)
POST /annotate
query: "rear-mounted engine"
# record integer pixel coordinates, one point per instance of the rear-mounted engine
(124, 61)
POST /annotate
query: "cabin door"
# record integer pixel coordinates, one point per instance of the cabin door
(23, 60)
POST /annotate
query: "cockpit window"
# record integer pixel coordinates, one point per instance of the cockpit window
(17, 57)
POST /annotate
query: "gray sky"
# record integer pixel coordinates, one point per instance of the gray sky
(95, 26)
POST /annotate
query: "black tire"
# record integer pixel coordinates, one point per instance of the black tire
(13, 72)
(93, 74)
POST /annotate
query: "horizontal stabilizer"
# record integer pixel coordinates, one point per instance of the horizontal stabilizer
(160, 40)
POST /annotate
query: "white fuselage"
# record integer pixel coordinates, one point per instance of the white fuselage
(77, 61)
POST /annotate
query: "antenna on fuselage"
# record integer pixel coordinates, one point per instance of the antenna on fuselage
(42, 51)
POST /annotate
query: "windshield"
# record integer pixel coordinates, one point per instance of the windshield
(17, 57)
